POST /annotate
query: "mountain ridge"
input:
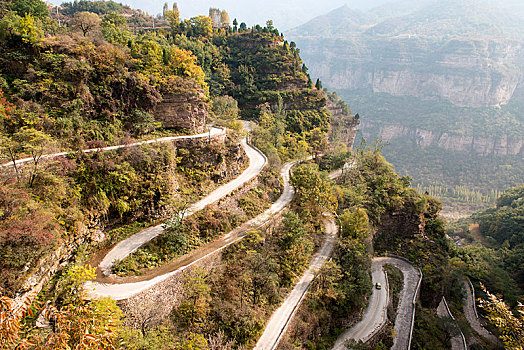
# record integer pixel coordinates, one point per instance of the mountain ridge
(419, 54)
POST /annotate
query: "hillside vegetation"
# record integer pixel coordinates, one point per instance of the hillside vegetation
(378, 212)
(100, 73)
(93, 79)
(492, 245)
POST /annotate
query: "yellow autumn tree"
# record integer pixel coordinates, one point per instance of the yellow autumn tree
(148, 54)
(202, 26)
(183, 63)
(28, 28)
(354, 223)
(511, 328)
(313, 190)
(173, 17)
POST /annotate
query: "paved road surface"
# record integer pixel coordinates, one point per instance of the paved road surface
(375, 314)
(472, 316)
(443, 311)
(278, 322)
(126, 290)
(212, 132)
(257, 161)
(405, 308)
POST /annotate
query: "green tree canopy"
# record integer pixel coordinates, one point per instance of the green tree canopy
(314, 190)
(35, 8)
(115, 29)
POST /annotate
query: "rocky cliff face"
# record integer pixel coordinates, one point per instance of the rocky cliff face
(467, 51)
(344, 127)
(494, 145)
(467, 73)
(185, 110)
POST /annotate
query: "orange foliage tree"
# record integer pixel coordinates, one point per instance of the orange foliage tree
(81, 324)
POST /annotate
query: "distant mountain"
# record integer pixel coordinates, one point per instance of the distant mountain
(288, 14)
(338, 22)
(347, 19)
(466, 18)
(423, 17)
(440, 80)
(464, 51)
(398, 8)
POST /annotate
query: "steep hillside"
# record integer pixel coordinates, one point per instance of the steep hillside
(493, 238)
(71, 88)
(117, 82)
(99, 81)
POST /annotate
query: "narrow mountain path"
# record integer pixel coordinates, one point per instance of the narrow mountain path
(280, 319)
(375, 315)
(120, 291)
(212, 132)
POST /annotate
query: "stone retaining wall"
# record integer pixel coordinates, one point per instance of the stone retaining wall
(151, 306)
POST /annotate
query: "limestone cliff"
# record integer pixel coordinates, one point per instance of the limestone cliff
(467, 73)
(462, 51)
(483, 145)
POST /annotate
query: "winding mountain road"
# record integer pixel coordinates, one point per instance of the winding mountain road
(375, 315)
(212, 132)
(280, 319)
(257, 161)
(277, 325)
(120, 291)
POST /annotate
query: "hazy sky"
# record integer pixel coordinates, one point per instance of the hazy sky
(285, 14)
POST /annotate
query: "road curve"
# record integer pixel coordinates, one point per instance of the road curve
(127, 290)
(210, 133)
(257, 161)
(277, 325)
(376, 313)
(471, 314)
(279, 321)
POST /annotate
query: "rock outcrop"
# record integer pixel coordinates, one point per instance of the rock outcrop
(344, 126)
(484, 145)
(183, 108)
